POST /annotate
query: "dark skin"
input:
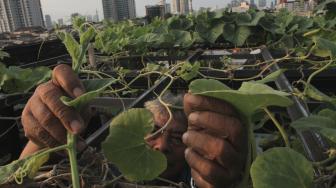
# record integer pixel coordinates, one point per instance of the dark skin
(214, 141)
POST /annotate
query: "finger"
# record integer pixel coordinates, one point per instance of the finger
(224, 126)
(213, 149)
(30, 149)
(64, 77)
(200, 182)
(194, 103)
(50, 95)
(48, 120)
(35, 132)
(208, 170)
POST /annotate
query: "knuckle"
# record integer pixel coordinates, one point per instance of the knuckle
(221, 149)
(47, 119)
(60, 68)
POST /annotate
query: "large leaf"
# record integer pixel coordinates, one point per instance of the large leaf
(314, 93)
(209, 32)
(236, 34)
(93, 87)
(282, 167)
(15, 79)
(250, 97)
(324, 123)
(21, 168)
(3, 54)
(271, 77)
(126, 148)
(247, 19)
(324, 47)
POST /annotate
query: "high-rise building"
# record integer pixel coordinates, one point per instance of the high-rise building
(60, 21)
(180, 6)
(16, 14)
(153, 11)
(48, 22)
(262, 3)
(96, 17)
(166, 6)
(119, 9)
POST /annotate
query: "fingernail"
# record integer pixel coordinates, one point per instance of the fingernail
(76, 126)
(78, 92)
(184, 137)
(193, 117)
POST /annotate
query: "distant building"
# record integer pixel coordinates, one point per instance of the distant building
(272, 5)
(252, 3)
(74, 15)
(262, 4)
(48, 22)
(180, 6)
(153, 11)
(60, 21)
(15, 14)
(301, 8)
(96, 17)
(166, 5)
(89, 18)
(117, 10)
(243, 7)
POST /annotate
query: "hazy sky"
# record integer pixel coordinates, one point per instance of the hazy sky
(64, 8)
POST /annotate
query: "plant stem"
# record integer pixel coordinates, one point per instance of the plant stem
(73, 159)
(280, 128)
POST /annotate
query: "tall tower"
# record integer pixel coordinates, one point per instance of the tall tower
(180, 6)
(119, 9)
(16, 14)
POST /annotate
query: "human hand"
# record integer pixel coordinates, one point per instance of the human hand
(45, 118)
(216, 141)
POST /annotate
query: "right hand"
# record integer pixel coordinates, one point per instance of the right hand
(45, 118)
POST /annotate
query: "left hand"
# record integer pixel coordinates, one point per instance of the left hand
(216, 141)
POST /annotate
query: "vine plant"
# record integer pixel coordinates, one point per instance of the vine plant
(311, 42)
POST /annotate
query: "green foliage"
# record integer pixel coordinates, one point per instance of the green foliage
(188, 71)
(282, 167)
(93, 89)
(248, 99)
(77, 50)
(3, 54)
(324, 123)
(19, 169)
(271, 77)
(126, 148)
(17, 80)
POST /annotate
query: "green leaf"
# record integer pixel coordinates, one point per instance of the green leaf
(19, 169)
(251, 20)
(17, 80)
(282, 167)
(328, 113)
(72, 46)
(3, 54)
(324, 47)
(325, 125)
(250, 97)
(236, 34)
(189, 71)
(87, 36)
(179, 22)
(271, 77)
(93, 87)
(208, 32)
(182, 39)
(314, 93)
(133, 157)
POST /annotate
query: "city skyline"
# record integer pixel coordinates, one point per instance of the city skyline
(64, 8)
